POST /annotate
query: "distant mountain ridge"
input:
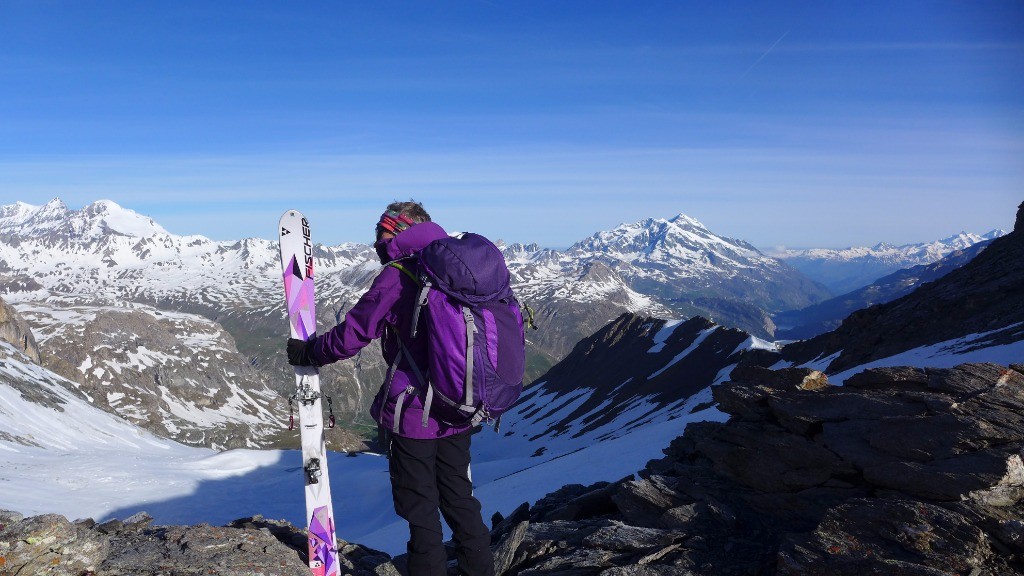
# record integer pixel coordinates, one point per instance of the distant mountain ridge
(56, 262)
(979, 303)
(679, 258)
(825, 316)
(847, 269)
(660, 267)
(54, 217)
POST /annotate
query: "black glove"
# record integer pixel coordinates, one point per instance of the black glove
(300, 352)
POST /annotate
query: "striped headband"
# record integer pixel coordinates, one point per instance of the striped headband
(393, 222)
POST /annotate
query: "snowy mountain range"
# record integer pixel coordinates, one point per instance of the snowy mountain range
(847, 269)
(825, 316)
(89, 279)
(182, 334)
(661, 267)
(151, 325)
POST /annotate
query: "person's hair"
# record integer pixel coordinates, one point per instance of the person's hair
(412, 210)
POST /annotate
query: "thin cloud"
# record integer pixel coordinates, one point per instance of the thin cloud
(902, 46)
(766, 52)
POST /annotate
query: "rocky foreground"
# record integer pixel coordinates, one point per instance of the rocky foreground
(902, 471)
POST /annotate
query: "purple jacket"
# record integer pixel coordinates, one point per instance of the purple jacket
(385, 311)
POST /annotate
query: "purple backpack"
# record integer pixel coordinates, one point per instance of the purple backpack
(476, 346)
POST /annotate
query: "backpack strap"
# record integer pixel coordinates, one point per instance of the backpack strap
(477, 415)
(428, 399)
(387, 382)
(404, 270)
(421, 299)
(470, 329)
(528, 315)
(409, 391)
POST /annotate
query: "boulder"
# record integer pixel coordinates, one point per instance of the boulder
(50, 544)
(887, 536)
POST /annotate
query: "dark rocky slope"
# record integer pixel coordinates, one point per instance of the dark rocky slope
(902, 471)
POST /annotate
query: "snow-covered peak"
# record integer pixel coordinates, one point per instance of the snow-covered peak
(100, 218)
(961, 240)
(110, 216)
(17, 212)
(55, 208)
(20, 217)
(681, 238)
(522, 253)
(687, 221)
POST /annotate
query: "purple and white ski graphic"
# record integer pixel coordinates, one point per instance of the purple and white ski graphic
(297, 271)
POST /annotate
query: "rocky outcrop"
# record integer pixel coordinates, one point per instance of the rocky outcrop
(179, 376)
(16, 331)
(902, 471)
(50, 544)
(176, 374)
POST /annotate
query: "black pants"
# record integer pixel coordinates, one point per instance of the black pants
(427, 475)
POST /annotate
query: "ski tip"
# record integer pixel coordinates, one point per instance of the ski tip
(291, 219)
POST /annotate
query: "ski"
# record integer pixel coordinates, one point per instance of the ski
(297, 271)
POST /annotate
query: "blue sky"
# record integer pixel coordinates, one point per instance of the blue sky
(784, 123)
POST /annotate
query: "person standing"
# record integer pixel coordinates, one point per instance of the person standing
(429, 459)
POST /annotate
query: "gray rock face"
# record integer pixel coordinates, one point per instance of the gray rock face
(161, 370)
(178, 375)
(50, 544)
(15, 330)
(902, 471)
(688, 360)
(909, 536)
